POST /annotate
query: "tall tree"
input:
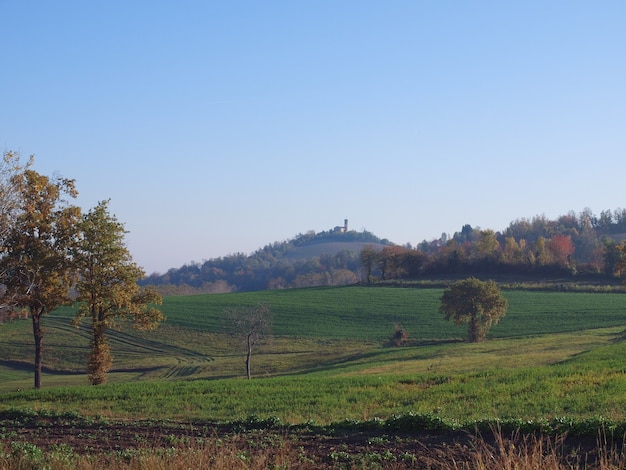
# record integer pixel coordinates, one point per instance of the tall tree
(618, 259)
(251, 322)
(37, 264)
(107, 290)
(369, 257)
(561, 248)
(479, 304)
(11, 170)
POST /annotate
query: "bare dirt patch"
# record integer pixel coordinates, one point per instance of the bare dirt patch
(307, 447)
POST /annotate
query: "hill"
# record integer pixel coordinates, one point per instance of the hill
(329, 248)
(329, 258)
(574, 246)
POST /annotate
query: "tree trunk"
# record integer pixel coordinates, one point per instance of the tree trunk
(38, 336)
(248, 356)
(100, 360)
(476, 333)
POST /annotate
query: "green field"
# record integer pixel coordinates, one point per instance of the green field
(554, 354)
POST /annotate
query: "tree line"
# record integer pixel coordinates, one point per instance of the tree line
(51, 254)
(573, 245)
(272, 267)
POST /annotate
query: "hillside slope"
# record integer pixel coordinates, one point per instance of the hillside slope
(312, 259)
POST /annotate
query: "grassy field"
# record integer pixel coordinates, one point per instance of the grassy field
(532, 379)
(554, 354)
(327, 392)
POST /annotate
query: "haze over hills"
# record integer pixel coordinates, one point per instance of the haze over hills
(571, 246)
(325, 258)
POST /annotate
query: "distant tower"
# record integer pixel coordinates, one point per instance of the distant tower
(345, 225)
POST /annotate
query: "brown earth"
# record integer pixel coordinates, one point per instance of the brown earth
(310, 448)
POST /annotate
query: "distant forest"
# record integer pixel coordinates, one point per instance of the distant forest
(573, 246)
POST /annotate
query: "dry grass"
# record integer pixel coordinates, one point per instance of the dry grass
(519, 452)
(496, 452)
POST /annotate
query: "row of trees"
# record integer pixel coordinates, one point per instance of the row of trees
(572, 245)
(480, 304)
(538, 247)
(52, 255)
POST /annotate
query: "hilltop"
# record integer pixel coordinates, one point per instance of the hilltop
(309, 259)
(573, 246)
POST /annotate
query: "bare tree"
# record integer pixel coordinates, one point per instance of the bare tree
(251, 322)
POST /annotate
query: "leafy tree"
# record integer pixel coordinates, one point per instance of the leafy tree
(487, 245)
(107, 290)
(561, 249)
(477, 303)
(37, 264)
(391, 261)
(618, 260)
(11, 170)
(369, 257)
(251, 322)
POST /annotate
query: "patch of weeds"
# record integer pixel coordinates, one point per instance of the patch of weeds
(340, 456)
(408, 457)
(418, 422)
(256, 422)
(28, 455)
(384, 439)
(62, 454)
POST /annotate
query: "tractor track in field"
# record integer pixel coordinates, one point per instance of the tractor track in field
(187, 361)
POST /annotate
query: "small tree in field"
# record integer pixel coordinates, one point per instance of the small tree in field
(399, 337)
(251, 322)
(107, 290)
(479, 304)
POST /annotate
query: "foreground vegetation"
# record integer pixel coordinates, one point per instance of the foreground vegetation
(410, 441)
(549, 385)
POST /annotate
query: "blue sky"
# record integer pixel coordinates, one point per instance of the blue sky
(220, 127)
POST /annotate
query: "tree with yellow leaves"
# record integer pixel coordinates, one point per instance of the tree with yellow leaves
(108, 292)
(37, 266)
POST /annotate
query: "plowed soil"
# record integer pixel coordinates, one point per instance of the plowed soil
(314, 449)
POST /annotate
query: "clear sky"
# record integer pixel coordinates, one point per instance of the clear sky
(217, 127)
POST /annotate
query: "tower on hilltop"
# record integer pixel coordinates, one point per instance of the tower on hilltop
(343, 229)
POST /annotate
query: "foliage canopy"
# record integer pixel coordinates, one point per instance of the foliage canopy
(107, 289)
(477, 303)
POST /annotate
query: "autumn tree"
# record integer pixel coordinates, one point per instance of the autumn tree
(561, 248)
(11, 170)
(391, 261)
(251, 322)
(487, 245)
(619, 260)
(479, 304)
(369, 257)
(107, 290)
(37, 265)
